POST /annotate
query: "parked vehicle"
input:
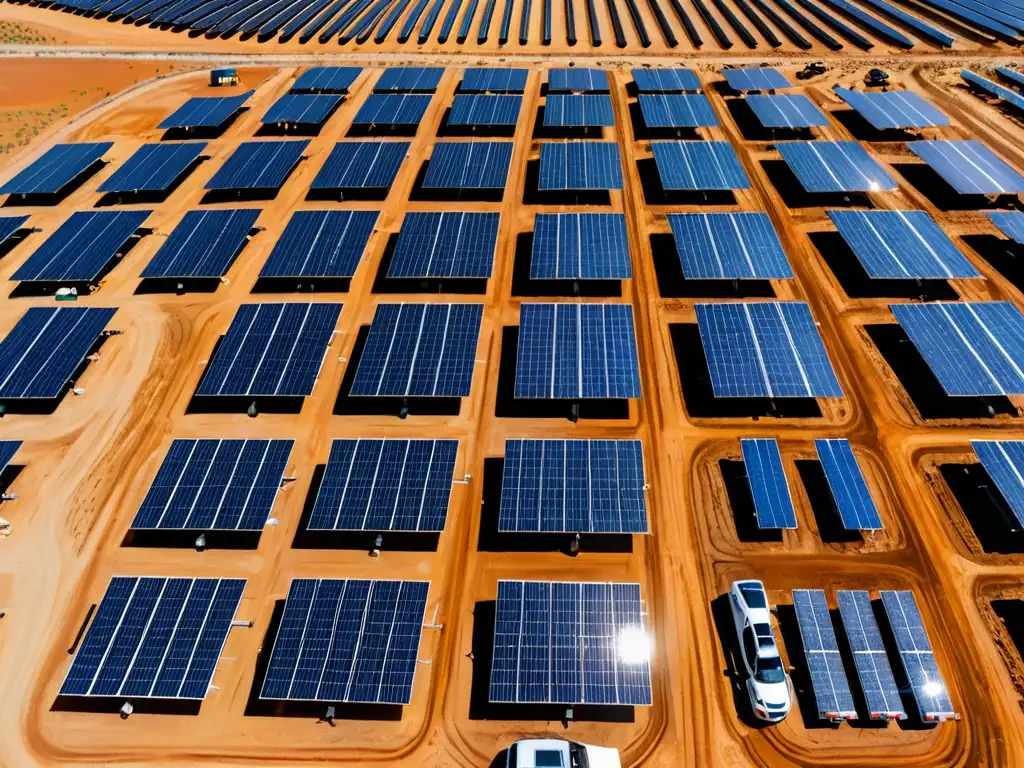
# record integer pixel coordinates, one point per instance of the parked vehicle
(768, 684)
(557, 753)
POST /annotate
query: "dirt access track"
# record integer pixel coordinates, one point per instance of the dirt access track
(86, 467)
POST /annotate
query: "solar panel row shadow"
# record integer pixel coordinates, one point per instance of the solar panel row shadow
(204, 244)
(154, 167)
(57, 168)
(699, 165)
(729, 246)
(321, 244)
(361, 165)
(468, 165)
(677, 110)
(580, 246)
(205, 112)
(1004, 462)
(773, 503)
(828, 676)
(893, 110)
(435, 245)
(259, 165)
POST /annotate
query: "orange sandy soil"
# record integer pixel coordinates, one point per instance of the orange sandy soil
(88, 465)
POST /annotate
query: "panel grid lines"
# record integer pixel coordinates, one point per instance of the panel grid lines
(437, 245)
(729, 246)
(580, 246)
(828, 677)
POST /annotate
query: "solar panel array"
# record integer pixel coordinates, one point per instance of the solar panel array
(347, 640)
(869, 655)
(786, 110)
(973, 348)
(755, 79)
(321, 244)
(769, 488)
(271, 349)
(301, 109)
(578, 110)
(849, 488)
(835, 166)
(577, 351)
(993, 89)
(699, 165)
(580, 246)
(728, 246)
(9, 226)
(1004, 462)
(485, 109)
(577, 80)
(57, 168)
(361, 165)
(435, 245)
(1011, 76)
(901, 245)
(419, 350)
(154, 167)
(494, 80)
(562, 643)
(765, 349)
(262, 165)
(385, 485)
(1010, 223)
(409, 80)
(392, 109)
(468, 165)
(828, 677)
(893, 110)
(677, 110)
(666, 80)
(158, 638)
(204, 244)
(205, 112)
(580, 165)
(969, 167)
(215, 485)
(573, 486)
(326, 80)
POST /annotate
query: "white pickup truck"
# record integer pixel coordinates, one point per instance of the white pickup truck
(556, 753)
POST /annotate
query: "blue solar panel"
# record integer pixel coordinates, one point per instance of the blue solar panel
(259, 165)
(666, 80)
(482, 109)
(677, 110)
(9, 225)
(56, 169)
(577, 351)
(849, 488)
(699, 165)
(869, 655)
(577, 80)
(580, 246)
(969, 167)
(468, 165)
(993, 89)
(901, 245)
(835, 166)
(362, 165)
(82, 247)
(828, 676)
(563, 643)
(301, 109)
(765, 349)
(419, 350)
(347, 640)
(326, 80)
(887, 110)
(580, 165)
(204, 244)
(729, 246)
(578, 110)
(321, 244)
(973, 348)
(768, 485)
(205, 112)
(910, 21)
(215, 485)
(1011, 76)
(409, 80)
(7, 450)
(392, 109)
(271, 349)
(786, 110)
(1004, 462)
(154, 167)
(755, 79)
(157, 638)
(385, 485)
(1010, 223)
(457, 245)
(573, 486)
(494, 80)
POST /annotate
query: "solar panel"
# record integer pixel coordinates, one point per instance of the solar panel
(1010, 223)
(901, 245)
(419, 350)
(271, 349)
(728, 246)
(154, 167)
(769, 488)
(569, 643)
(326, 80)
(361, 165)
(969, 167)
(677, 110)
(468, 165)
(577, 351)
(321, 244)
(580, 165)
(993, 89)
(869, 655)
(973, 348)
(56, 169)
(409, 80)
(215, 485)
(916, 655)
(392, 109)
(259, 165)
(1004, 462)
(835, 166)
(385, 485)
(204, 244)
(435, 244)
(765, 349)
(699, 165)
(577, 80)
(573, 486)
(348, 640)
(849, 488)
(828, 677)
(580, 246)
(485, 110)
(786, 110)
(494, 80)
(155, 637)
(82, 247)
(666, 80)
(578, 110)
(7, 450)
(1011, 76)
(205, 112)
(9, 226)
(301, 109)
(755, 79)
(890, 110)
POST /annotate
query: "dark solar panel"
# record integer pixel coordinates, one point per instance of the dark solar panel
(386, 485)
(57, 168)
(728, 246)
(469, 165)
(1010, 223)
(1004, 462)
(969, 167)
(677, 110)
(869, 655)
(409, 80)
(392, 109)
(259, 165)
(769, 487)
(580, 165)
(786, 110)
(7, 450)
(485, 110)
(205, 112)
(849, 488)
(301, 109)
(437, 245)
(835, 166)
(204, 244)
(699, 165)
(666, 80)
(326, 80)
(154, 167)
(755, 79)
(889, 110)
(362, 165)
(578, 110)
(580, 246)
(321, 244)
(494, 80)
(577, 80)
(9, 225)
(828, 676)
